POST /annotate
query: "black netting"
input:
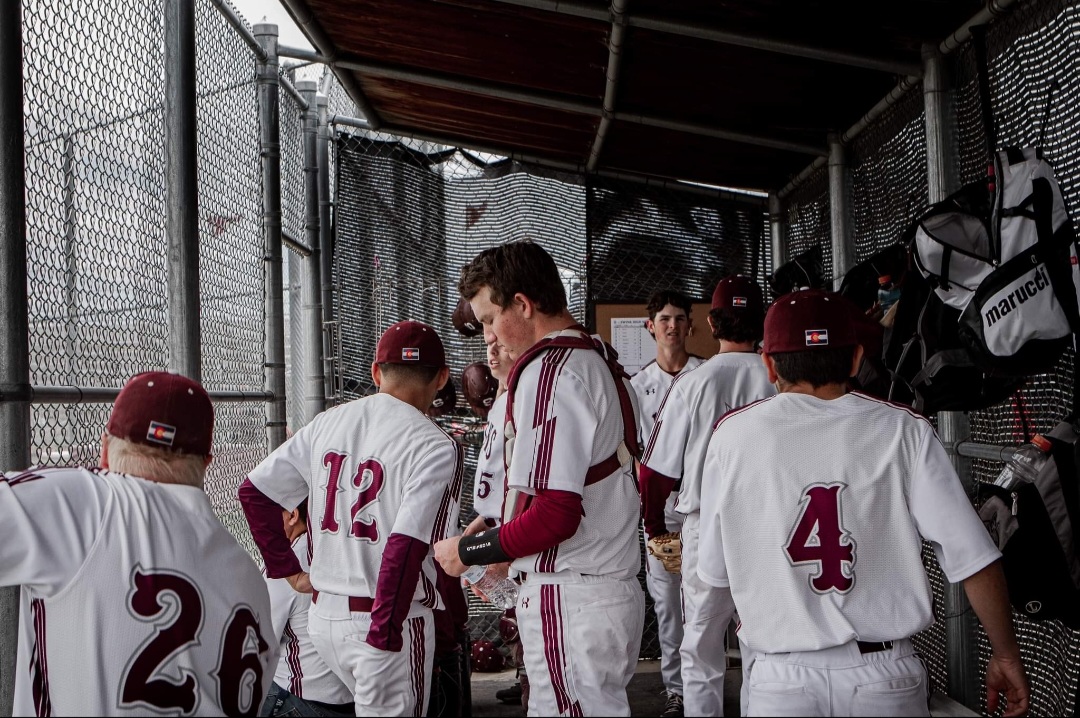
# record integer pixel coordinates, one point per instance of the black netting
(808, 223)
(642, 239)
(889, 180)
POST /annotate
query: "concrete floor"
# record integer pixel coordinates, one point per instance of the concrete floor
(646, 692)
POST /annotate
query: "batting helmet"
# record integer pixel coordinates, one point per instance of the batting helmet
(486, 658)
(479, 387)
(465, 321)
(445, 400)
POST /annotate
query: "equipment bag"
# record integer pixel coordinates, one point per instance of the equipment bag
(1004, 256)
(1037, 528)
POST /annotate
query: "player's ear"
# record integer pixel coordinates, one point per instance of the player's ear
(441, 378)
(522, 303)
(103, 461)
(712, 326)
(856, 359)
(650, 325)
(770, 366)
(376, 374)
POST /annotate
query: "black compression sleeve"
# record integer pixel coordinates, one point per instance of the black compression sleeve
(482, 549)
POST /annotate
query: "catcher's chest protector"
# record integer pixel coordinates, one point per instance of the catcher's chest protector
(518, 502)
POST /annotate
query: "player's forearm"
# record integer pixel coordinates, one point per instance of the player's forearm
(989, 597)
(552, 517)
(399, 573)
(655, 490)
(264, 518)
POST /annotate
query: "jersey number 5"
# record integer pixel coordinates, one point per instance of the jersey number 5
(819, 538)
(174, 605)
(368, 468)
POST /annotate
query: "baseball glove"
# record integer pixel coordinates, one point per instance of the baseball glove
(667, 548)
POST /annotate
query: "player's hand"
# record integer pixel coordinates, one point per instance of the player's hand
(446, 553)
(1006, 676)
(478, 526)
(498, 570)
(300, 582)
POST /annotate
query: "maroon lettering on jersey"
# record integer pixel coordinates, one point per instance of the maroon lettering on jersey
(820, 538)
(368, 468)
(329, 519)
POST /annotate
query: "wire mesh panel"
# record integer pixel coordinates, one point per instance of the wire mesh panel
(808, 222)
(643, 239)
(889, 176)
(231, 281)
(95, 208)
(292, 225)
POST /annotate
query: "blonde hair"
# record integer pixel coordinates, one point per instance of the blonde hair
(154, 464)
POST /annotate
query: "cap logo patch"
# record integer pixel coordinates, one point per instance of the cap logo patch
(161, 433)
(410, 354)
(738, 301)
(817, 337)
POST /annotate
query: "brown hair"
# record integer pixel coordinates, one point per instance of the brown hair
(517, 267)
(661, 299)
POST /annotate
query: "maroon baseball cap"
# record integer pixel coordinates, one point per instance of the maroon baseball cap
(166, 411)
(738, 292)
(411, 342)
(808, 319)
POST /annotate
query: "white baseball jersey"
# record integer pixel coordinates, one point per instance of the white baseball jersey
(797, 490)
(300, 669)
(370, 468)
(651, 385)
(689, 411)
(567, 417)
(489, 486)
(137, 600)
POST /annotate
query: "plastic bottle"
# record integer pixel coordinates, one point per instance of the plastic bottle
(502, 592)
(1024, 464)
(888, 292)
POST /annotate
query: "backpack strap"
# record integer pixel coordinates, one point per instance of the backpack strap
(580, 339)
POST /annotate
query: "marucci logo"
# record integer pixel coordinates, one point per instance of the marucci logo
(1021, 294)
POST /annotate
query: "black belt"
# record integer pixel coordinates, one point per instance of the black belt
(359, 604)
(873, 646)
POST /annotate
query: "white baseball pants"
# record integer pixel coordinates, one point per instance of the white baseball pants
(666, 591)
(383, 683)
(840, 681)
(707, 611)
(581, 636)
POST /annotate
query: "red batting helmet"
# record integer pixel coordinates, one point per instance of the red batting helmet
(486, 658)
(445, 401)
(465, 321)
(479, 387)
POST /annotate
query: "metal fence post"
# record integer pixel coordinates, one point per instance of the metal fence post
(961, 626)
(777, 231)
(182, 189)
(326, 248)
(315, 395)
(270, 152)
(843, 243)
(14, 321)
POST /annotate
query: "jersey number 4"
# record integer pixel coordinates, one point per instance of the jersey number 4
(369, 494)
(820, 538)
(175, 607)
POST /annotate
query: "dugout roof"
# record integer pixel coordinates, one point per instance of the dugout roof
(739, 93)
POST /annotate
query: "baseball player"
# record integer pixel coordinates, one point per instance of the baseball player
(303, 683)
(820, 541)
(676, 453)
(571, 510)
(138, 600)
(670, 325)
(383, 483)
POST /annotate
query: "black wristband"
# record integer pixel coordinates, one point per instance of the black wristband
(482, 549)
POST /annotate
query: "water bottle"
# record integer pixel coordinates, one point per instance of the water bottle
(502, 592)
(1024, 464)
(888, 292)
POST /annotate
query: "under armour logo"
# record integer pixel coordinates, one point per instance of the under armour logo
(525, 602)
(650, 391)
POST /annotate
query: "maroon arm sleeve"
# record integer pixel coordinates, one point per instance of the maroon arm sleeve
(268, 530)
(398, 576)
(655, 490)
(552, 517)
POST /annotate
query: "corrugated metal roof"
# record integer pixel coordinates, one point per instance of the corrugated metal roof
(734, 93)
